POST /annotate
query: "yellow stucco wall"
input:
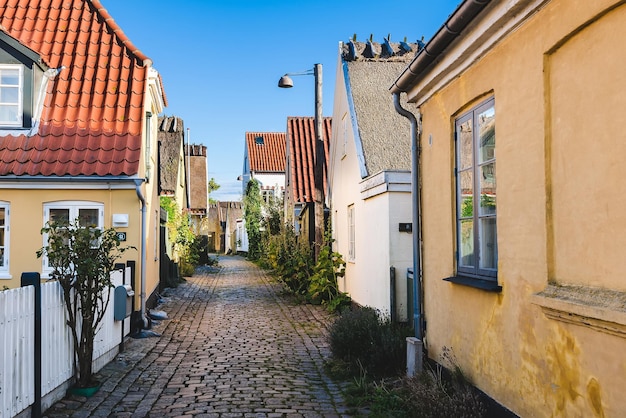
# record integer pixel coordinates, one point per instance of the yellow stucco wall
(556, 80)
(27, 219)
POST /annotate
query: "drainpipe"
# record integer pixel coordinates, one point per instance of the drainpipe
(417, 273)
(143, 252)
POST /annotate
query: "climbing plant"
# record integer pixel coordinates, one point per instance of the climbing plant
(181, 236)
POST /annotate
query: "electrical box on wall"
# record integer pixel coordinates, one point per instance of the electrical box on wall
(405, 227)
(120, 219)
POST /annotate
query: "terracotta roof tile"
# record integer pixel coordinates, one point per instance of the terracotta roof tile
(91, 123)
(266, 151)
(301, 137)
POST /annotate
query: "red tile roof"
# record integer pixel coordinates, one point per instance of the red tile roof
(301, 137)
(266, 154)
(91, 123)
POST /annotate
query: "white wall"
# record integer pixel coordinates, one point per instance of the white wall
(381, 202)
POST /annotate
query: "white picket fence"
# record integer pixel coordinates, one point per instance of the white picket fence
(17, 344)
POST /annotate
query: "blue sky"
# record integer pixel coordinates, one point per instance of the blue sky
(220, 61)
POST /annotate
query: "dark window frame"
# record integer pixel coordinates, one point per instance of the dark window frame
(472, 273)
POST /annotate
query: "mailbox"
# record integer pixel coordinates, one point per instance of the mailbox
(122, 302)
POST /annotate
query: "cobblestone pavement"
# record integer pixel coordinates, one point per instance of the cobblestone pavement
(232, 347)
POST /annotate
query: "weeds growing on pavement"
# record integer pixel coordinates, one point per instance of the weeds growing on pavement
(364, 338)
(369, 356)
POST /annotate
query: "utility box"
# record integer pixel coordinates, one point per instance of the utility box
(123, 302)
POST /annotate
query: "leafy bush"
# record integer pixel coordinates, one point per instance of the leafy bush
(362, 337)
(290, 258)
(323, 287)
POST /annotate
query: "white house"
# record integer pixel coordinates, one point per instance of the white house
(369, 177)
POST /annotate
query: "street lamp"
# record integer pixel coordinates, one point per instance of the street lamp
(286, 82)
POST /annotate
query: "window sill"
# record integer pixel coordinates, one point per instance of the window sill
(602, 310)
(487, 285)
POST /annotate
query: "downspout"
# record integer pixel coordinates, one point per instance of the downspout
(416, 206)
(143, 252)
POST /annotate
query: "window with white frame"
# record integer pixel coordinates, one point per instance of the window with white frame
(11, 86)
(351, 234)
(86, 213)
(4, 239)
(477, 246)
(268, 195)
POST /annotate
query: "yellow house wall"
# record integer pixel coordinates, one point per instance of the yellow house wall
(150, 192)
(27, 219)
(556, 81)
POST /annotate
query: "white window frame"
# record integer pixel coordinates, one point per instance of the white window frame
(351, 234)
(4, 265)
(20, 95)
(74, 207)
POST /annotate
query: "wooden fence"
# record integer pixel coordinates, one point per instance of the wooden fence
(17, 345)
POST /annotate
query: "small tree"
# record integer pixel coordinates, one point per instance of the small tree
(213, 186)
(82, 258)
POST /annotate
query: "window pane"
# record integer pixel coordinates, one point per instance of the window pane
(488, 189)
(466, 250)
(2, 217)
(488, 244)
(8, 113)
(88, 217)
(10, 77)
(487, 135)
(9, 94)
(467, 193)
(59, 215)
(466, 147)
(1, 257)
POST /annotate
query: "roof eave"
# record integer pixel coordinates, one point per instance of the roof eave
(449, 31)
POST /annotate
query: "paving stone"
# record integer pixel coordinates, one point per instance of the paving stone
(234, 346)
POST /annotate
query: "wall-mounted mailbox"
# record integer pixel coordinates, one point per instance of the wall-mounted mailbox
(122, 302)
(120, 220)
(405, 227)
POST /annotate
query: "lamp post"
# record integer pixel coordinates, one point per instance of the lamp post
(318, 173)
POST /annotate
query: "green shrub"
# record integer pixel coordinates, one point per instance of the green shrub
(323, 287)
(363, 338)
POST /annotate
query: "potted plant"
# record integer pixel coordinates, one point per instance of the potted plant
(82, 258)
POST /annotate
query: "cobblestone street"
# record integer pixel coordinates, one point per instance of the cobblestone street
(232, 347)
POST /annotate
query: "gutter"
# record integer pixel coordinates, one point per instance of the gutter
(450, 30)
(416, 218)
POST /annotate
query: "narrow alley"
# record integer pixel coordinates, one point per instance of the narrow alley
(232, 346)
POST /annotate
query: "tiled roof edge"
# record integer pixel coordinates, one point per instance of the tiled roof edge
(108, 19)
